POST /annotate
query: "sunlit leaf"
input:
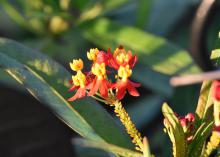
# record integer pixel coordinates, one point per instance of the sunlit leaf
(153, 52)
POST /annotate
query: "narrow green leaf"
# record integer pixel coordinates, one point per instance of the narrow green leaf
(14, 14)
(99, 8)
(57, 77)
(199, 139)
(107, 147)
(143, 12)
(153, 52)
(204, 107)
(175, 132)
(46, 94)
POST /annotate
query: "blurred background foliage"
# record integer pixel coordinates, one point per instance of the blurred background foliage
(157, 31)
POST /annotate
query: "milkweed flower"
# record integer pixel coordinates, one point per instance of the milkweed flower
(79, 80)
(124, 62)
(99, 82)
(121, 58)
(92, 54)
(124, 83)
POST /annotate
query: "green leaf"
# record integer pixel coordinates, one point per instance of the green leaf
(175, 132)
(205, 104)
(100, 8)
(7, 80)
(158, 83)
(14, 14)
(57, 78)
(107, 147)
(153, 52)
(215, 56)
(143, 12)
(90, 152)
(46, 94)
(165, 15)
(199, 139)
(204, 107)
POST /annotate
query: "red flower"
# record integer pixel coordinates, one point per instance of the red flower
(187, 122)
(79, 82)
(123, 86)
(100, 82)
(121, 58)
(100, 85)
(216, 90)
(81, 92)
(190, 117)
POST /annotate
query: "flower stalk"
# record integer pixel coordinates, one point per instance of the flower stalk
(128, 124)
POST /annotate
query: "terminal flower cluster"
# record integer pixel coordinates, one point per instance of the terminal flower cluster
(96, 82)
(187, 123)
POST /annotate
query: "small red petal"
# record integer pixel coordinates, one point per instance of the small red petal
(71, 81)
(133, 61)
(121, 86)
(113, 64)
(183, 122)
(81, 92)
(190, 117)
(74, 97)
(102, 57)
(132, 90)
(94, 87)
(135, 84)
(112, 85)
(109, 52)
(89, 86)
(104, 88)
(73, 88)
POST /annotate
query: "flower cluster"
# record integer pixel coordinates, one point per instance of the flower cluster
(96, 81)
(187, 123)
